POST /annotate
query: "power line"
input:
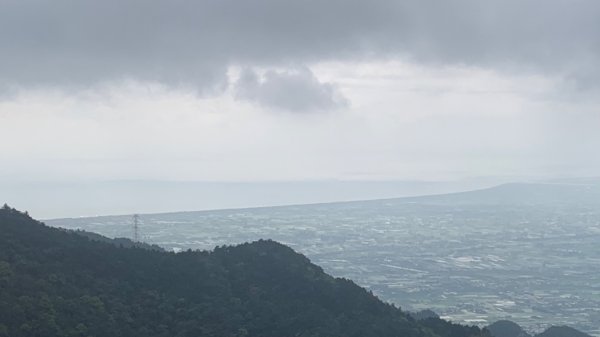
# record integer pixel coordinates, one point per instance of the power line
(136, 228)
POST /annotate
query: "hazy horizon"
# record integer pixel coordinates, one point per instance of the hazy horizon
(51, 200)
(76, 199)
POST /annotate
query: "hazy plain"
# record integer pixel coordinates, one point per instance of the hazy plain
(524, 252)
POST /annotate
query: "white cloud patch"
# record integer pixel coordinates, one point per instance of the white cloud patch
(295, 90)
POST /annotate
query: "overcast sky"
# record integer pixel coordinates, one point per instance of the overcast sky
(273, 90)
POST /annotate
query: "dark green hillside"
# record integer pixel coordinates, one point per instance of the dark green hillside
(59, 283)
(124, 242)
(423, 314)
(506, 328)
(562, 331)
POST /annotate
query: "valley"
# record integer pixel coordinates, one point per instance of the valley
(472, 257)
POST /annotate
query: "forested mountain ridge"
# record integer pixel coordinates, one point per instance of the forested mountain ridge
(562, 331)
(505, 328)
(59, 283)
(122, 242)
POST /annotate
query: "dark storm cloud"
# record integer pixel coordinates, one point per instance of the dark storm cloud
(297, 90)
(191, 43)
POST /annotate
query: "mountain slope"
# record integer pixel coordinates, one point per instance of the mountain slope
(506, 328)
(58, 283)
(562, 331)
(120, 242)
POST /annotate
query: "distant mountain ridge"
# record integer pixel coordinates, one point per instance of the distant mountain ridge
(523, 193)
(507, 328)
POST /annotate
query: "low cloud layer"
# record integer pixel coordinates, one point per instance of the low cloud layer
(297, 91)
(192, 43)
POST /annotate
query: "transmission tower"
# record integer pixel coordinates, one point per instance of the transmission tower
(136, 228)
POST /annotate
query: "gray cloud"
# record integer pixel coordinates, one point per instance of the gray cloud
(191, 43)
(297, 90)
